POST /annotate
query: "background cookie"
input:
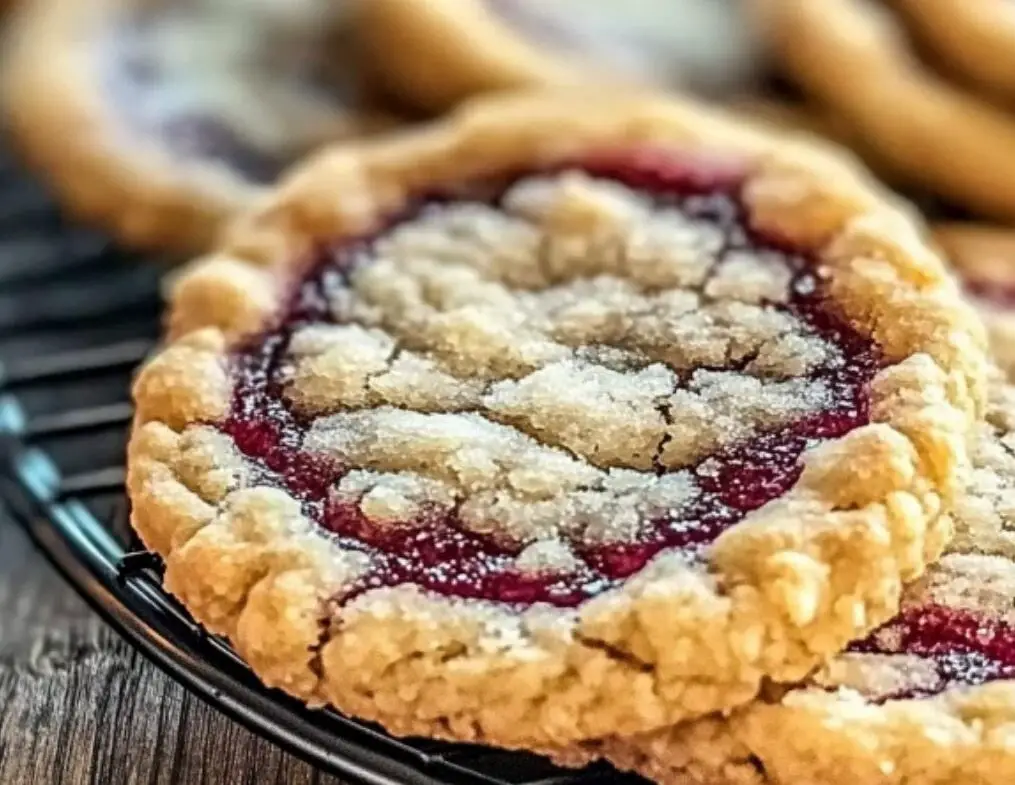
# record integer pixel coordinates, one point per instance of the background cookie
(161, 119)
(853, 57)
(583, 441)
(438, 52)
(974, 38)
(984, 258)
(928, 699)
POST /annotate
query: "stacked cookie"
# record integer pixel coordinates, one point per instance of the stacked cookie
(585, 419)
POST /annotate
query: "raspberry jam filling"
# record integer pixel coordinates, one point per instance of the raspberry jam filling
(442, 555)
(966, 649)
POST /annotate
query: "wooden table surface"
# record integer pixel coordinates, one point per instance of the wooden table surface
(78, 705)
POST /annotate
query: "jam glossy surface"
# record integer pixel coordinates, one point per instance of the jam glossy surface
(443, 557)
(966, 648)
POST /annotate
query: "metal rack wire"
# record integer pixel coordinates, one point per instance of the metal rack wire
(76, 316)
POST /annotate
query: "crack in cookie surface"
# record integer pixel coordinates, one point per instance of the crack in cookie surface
(928, 697)
(525, 391)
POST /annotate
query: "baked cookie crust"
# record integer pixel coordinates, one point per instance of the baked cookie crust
(851, 722)
(975, 38)
(435, 54)
(853, 57)
(772, 596)
(181, 113)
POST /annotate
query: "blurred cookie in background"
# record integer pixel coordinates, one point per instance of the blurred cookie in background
(159, 120)
(973, 38)
(984, 258)
(436, 53)
(854, 58)
(792, 116)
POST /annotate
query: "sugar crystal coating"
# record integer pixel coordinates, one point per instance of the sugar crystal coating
(524, 389)
(936, 648)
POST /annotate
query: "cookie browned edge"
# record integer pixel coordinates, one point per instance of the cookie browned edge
(975, 38)
(61, 123)
(788, 587)
(435, 54)
(850, 56)
(985, 254)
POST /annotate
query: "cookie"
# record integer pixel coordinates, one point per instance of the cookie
(854, 58)
(562, 417)
(973, 38)
(160, 120)
(438, 52)
(927, 699)
(984, 257)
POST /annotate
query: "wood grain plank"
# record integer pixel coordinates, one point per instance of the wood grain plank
(80, 707)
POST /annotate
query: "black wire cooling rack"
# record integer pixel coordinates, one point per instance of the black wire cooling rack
(76, 316)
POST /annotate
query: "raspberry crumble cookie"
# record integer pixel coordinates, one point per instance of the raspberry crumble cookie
(927, 699)
(438, 52)
(854, 58)
(557, 419)
(161, 119)
(984, 257)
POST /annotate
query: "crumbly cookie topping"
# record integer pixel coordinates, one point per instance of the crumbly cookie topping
(524, 391)
(957, 626)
